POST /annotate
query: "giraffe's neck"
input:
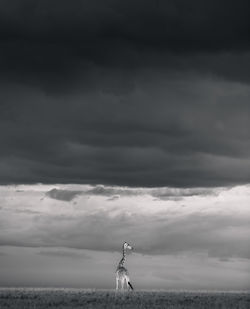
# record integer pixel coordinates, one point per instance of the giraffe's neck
(121, 263)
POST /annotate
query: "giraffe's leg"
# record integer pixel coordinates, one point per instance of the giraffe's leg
(117, 284)
(122, 283)
(127, 280)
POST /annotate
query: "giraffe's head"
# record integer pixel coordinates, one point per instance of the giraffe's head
(127, 246)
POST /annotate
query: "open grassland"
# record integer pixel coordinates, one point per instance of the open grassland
(76, 298)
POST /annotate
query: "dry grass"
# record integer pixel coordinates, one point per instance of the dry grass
(76, 298)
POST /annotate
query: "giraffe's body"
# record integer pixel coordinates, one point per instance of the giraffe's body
(122, 274)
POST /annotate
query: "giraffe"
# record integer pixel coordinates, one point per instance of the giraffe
(121, 272)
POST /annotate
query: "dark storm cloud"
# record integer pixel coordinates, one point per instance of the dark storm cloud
(210, 24)
(137, 93)
(134, 140)
(53, 45)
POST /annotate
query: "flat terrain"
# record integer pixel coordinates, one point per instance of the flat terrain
(76, 298)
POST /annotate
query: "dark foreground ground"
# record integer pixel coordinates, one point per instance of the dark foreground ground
(74, 298)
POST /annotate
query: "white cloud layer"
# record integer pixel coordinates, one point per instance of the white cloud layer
(199, 230)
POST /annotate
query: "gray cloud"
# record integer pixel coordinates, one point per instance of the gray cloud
(63, 195)
(219, 236)
(64, 253)
(114, 192)
(114, 198)
(178, 194)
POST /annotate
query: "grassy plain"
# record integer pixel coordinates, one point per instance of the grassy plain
(26, 298)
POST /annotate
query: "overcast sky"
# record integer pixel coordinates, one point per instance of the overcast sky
(144, 106)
